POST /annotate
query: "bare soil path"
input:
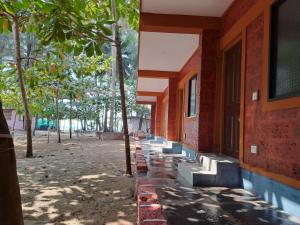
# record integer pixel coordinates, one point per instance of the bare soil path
(77, 182)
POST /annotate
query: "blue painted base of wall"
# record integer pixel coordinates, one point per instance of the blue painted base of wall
(278, 194)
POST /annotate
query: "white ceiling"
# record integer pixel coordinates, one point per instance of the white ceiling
(146, 98)
(152, 84)
(214, 8)
(166, 51)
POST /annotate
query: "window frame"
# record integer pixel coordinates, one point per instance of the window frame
(267, 103)
(191, 113)
(273, 62)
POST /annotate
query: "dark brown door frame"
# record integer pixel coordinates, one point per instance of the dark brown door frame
(241, 37)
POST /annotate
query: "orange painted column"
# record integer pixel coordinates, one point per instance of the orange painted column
(158, 116)
(172, 110)
(152, 123)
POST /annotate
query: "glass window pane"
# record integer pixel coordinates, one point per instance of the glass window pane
(285, 50)
(192, 97)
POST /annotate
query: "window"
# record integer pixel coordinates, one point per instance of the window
(284, 77)
(192, 97)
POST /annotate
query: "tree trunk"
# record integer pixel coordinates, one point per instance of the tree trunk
(122, 91)
(10, 199)
(35, 123)
(141, 121)
(105, 119)
(84, 124)
(81, 123)
(98, 128)
(113, 81)
(57, 116)
(102, 121)
(77, 124)
(91, 125)
(48, 133)
(70, 123)
(14, 124)
(116, 126)
(22, 85)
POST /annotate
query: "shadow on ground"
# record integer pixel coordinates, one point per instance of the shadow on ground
(186, 205)
(78, 182)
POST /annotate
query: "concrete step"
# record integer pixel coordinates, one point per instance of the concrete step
(157, 140)
(150, 137)
(175, 148)
(211, 170)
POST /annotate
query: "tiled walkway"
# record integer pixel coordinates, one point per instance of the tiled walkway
(184, 205)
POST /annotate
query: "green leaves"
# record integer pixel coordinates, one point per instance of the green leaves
(7, 7)
(128, 11)
(78, 50)
(90, 49)
(80, 30)
(107, 31)
(79, 5)
(45, 6)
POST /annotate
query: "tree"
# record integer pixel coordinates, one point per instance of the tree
(10, 10)
(92, 37)
(10, 199)
(119, 63)
(117, 10)
(113, 80)
(82, 27)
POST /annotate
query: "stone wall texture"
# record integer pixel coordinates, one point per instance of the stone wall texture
(190, 125)
(235, 12)
(277, 133)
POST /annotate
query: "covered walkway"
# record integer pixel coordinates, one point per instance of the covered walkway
(185, 205)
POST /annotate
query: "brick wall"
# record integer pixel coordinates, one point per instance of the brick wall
(236, 11)
(198, 130)
(190, 125)
(277, 133)
(207, 84)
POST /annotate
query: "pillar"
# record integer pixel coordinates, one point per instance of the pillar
(207, 84)
(152, 123)
(158, 115)
(172, 110)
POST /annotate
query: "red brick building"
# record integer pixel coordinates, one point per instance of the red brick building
(223, 77)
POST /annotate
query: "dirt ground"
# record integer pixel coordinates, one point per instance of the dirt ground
(80, 181)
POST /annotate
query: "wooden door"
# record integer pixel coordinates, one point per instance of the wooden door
(232, 100)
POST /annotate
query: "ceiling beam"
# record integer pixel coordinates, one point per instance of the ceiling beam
(157, 74)
(151, 22)
(149, 93)
(145, 103)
